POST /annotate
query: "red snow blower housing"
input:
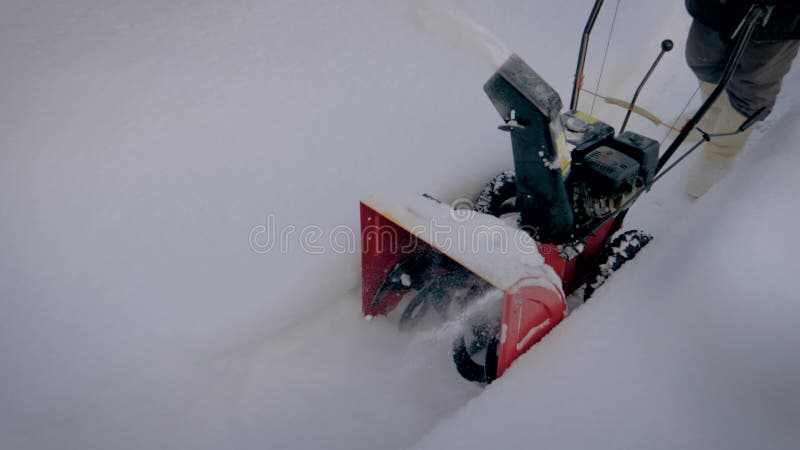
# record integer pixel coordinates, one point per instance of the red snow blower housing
(498, 275)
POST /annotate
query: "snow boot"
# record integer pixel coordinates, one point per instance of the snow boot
(715, 157)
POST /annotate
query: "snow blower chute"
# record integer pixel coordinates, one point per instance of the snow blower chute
(502, 269)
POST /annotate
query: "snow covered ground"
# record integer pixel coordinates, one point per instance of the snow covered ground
(692, 346)
(142, 143)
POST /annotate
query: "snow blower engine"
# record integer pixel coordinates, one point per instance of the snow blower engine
(498, 275)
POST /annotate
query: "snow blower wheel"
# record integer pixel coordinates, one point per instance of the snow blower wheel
(617, 252)
(484, 338)
(497, 196)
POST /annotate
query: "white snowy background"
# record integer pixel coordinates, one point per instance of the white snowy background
(141, 142)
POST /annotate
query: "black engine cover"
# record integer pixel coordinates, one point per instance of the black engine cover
(609, 172)
(641, 148)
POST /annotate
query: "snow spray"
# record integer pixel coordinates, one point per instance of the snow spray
(446, 20)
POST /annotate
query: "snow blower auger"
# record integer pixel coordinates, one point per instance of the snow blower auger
(501, 272)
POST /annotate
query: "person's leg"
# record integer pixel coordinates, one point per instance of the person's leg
(709, 118)
(706, 55)
(755, 84)
(757, 80)
(714, 158)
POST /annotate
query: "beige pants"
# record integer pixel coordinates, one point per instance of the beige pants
(714, 158)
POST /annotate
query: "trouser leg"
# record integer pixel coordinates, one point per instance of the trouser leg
(706, 53)
(715, 158)
(706, 56)
(755, 84)
(757, 79)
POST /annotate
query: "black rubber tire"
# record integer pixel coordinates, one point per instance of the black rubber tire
(617, 252)
(467, 367)
(496, 193)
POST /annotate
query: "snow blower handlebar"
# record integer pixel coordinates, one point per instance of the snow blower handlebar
(749, 122)
(755, 117)
(745, 31)
(587, 31)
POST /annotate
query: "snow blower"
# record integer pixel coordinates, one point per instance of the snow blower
(551, 227)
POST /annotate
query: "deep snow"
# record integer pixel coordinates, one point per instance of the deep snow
(141, 143)
(692, 346)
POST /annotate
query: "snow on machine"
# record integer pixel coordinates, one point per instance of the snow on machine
(549, 228)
